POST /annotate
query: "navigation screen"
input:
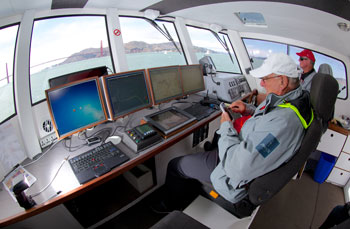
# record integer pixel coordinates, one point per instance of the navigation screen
(170, 119)
(166, 83)
(127, 92)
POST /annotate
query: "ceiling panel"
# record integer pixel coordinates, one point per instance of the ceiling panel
(283, 20)
(340, 8)
(121, 4)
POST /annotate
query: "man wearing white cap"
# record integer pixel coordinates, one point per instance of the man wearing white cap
(267, 139)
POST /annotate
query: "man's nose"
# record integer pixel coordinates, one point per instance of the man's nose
(262, 83)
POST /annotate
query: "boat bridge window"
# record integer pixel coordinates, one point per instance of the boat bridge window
(338, 68)
(63, 45)
(205, 43)
(7, 50)
(146, 47)
(258, 50)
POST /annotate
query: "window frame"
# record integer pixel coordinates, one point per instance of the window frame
(13, 72)
(62, 16)
(233, 50)
(161, 19)
(296, 46)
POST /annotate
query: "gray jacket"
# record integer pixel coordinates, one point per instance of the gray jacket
(306, 83)
(268, 139)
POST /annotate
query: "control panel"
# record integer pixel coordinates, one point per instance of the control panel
(141, 137)
(227, 87)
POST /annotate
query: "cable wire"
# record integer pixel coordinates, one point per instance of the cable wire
(54, 177)
(43, 154)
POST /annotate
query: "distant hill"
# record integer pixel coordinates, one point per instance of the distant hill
(130, 47)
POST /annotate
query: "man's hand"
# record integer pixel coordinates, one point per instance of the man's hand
(238, 107)
(225, 117)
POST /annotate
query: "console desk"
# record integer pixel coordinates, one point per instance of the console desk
(44, 169)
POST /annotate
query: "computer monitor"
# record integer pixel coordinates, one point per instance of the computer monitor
(165, 83)
(126, 92)
(192, 78)
(76, 106)
(74, 76)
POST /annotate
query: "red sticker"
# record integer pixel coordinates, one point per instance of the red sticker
(117, 32)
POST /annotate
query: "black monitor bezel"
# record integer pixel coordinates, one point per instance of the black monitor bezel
(62, 136)
(123, 75)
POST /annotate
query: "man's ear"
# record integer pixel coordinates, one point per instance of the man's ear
(284, 82)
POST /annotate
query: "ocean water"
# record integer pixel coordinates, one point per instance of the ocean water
(39, 81)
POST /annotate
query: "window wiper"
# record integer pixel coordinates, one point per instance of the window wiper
(223, 43)
(165, 33)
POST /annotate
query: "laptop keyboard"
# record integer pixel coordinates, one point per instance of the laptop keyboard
(96, 162)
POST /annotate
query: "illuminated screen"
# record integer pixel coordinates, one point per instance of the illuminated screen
(192, 78)
(165, 83)
(75, 76)
(76, 106)
(127, 92)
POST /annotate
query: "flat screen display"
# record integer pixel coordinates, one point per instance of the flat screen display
(192, 78)
(126, 92)
(165, 83)
(76, 106)
(170, 119)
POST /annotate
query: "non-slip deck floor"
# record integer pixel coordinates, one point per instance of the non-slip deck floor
(302, 203)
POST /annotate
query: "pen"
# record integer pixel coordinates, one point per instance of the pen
(54, 195)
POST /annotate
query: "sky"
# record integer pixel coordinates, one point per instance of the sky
(7, 45)
(61, 37)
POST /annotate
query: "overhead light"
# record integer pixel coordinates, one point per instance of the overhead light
(344, 26)
(215, 28)
(151, 14)
(251, 19)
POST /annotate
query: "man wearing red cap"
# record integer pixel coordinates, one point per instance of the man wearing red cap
(307, 62)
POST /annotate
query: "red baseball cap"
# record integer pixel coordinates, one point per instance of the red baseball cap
(307, 53)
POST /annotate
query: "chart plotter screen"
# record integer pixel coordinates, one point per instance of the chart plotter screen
(165, 83)
(127, 92)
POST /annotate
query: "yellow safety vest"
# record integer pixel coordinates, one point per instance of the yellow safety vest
(295, 109)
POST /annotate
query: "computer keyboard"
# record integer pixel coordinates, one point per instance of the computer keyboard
(199, 111)
(96, 162)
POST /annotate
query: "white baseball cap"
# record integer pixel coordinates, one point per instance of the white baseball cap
(280, 64)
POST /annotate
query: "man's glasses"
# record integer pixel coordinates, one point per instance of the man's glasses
(264, 79)
(302, 58)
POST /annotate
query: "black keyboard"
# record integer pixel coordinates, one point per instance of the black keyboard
(199, 111)
(97, 162)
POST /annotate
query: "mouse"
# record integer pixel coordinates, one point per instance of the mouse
(114, 139)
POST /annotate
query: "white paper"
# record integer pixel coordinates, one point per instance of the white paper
(16, 176)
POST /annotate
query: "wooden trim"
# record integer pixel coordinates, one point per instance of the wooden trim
(338, 129)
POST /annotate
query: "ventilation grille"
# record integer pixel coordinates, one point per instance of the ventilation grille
(47, 126)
